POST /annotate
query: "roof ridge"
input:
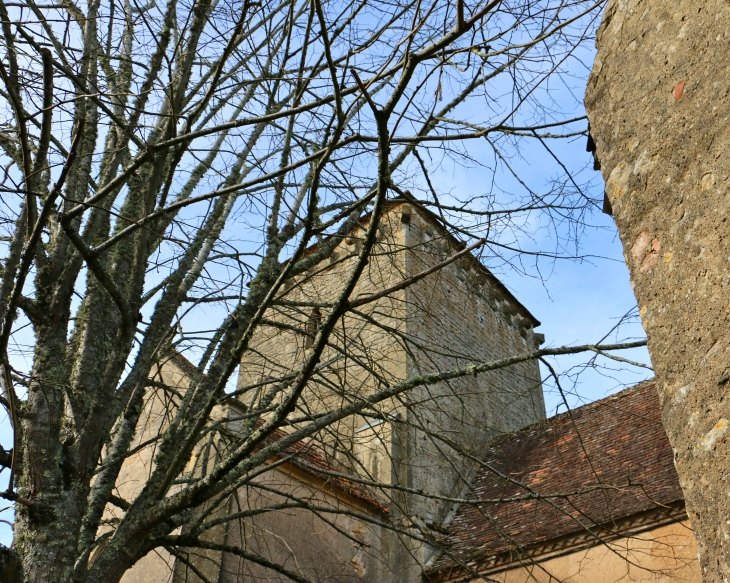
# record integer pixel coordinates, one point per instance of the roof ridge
(392, 204)
(560, 416)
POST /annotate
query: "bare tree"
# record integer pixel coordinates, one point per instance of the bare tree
(171, 172)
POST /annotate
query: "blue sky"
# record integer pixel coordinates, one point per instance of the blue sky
(577, 301)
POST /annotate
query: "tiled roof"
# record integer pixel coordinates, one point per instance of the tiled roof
(303, 455)
(614, 450)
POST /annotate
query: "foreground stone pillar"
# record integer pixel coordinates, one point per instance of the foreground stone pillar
(659, 104)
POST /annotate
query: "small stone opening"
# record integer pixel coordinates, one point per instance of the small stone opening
(315, 319)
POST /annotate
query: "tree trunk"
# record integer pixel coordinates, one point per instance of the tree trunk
(46, 533)
(660, 117)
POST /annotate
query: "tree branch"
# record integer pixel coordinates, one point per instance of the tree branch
(413, 279)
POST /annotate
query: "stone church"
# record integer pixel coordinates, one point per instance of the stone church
(464, 480)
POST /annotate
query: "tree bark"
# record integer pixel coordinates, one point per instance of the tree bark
(46, 530)
(11, 569)
(658, 104)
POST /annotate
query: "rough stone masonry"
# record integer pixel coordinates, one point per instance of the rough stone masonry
(659, 105)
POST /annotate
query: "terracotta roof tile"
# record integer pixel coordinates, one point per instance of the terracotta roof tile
(305, 457)
(628, 469)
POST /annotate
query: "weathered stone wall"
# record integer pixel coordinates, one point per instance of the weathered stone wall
(159, 407)
(659, 104)
(450, 319)
(155, 567)
(367, 353)
(458, 316)
(455, 317)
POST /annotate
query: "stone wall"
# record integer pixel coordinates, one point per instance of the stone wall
(342, 542)
(336, 545)
(155, 567)
(366, 353)
(455, 317)
(659, 104)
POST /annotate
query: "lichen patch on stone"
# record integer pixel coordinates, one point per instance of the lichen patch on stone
(708, 181)
(681, 394)
(714, 435)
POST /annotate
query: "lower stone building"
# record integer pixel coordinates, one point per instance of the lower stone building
(588, 496)
(301, 513)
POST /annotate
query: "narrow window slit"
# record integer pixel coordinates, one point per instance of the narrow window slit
(315, 319)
